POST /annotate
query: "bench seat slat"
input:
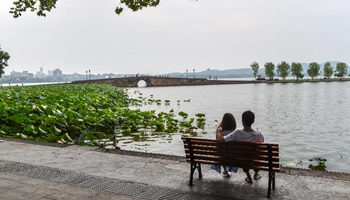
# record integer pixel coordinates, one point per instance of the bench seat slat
(232, 156)
(276, 167)
(232, 162)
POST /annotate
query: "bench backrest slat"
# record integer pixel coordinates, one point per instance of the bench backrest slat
(205, 150)
(234, 145)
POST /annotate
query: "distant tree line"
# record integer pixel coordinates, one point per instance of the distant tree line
(284, 68)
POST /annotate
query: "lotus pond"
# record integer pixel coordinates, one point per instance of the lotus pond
(88, 115)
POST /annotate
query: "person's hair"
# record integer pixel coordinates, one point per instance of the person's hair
(228, 122)
(248, 118)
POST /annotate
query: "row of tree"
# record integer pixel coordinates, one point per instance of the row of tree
(284, 68)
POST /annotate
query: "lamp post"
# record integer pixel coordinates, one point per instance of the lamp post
(193, 73)
(89, 75)
(186, 73)
(86, 75)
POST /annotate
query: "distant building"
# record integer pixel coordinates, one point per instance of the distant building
(49, 72)
(24, 74)
(57, 72)
(40, 74)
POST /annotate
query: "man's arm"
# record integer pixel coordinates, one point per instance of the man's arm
(219, 136)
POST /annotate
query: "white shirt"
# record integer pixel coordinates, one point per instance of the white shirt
(241, 135)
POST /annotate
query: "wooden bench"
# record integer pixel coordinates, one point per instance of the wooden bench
(261, 156)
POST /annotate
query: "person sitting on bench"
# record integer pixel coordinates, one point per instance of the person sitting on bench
(247, 134)
(227, 125)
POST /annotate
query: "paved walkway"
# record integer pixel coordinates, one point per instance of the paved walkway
(30, 170)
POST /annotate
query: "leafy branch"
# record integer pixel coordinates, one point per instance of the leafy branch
(41, 7)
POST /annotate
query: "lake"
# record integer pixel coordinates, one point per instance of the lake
(307, 119)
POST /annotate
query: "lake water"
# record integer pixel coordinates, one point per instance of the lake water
(307, 119)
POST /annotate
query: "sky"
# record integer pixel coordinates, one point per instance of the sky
(175, 36)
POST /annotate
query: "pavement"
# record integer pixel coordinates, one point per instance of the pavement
(37, 170)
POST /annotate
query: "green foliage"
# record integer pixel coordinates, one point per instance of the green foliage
(283, 69)
(321, 164)
(269, 70)
(297, 70)
(289, 162)
(4, 57)
(327, 70)
(255, 68)
(43, 6)
(314, 70)
(136, 5)
(21, 6)
(341, 69)
(183, 114)
(200, 120)
(73, 113)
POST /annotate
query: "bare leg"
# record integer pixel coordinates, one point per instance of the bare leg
(249, 177)
(224, 172)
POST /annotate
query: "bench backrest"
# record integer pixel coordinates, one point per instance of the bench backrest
(262, 156)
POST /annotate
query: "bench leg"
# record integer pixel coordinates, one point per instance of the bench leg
(199, 172)
(273, 180)
(193, 168)
(269, 185)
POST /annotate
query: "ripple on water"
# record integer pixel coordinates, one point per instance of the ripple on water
(307, 119)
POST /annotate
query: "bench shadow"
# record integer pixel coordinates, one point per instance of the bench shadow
(232, 187)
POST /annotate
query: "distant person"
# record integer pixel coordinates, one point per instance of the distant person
(227, 125)
(247, 134)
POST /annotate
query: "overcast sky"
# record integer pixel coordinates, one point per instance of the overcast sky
(176, 36)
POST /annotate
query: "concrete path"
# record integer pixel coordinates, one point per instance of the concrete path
(31, 170)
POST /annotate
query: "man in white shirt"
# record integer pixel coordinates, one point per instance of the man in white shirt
(247, 134)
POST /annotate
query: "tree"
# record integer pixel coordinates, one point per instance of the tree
(283, 69)
(314, 70)
(327, 70)
(341, 69)
(4, 57)
(269, 70)
(255, 67)
(297, 70)
(43, 6)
